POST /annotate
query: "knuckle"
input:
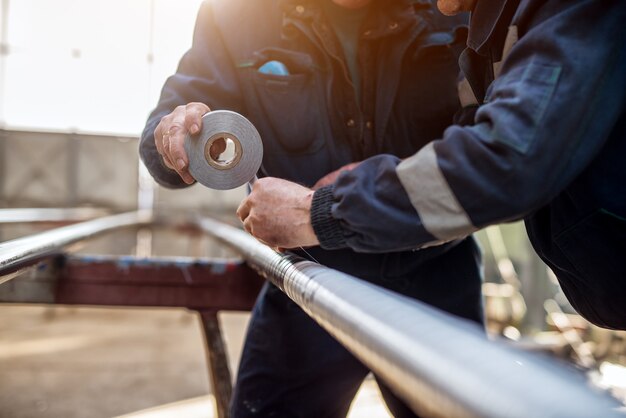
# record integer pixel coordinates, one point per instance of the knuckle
(165, 123)
(197, 107)
(175, 128)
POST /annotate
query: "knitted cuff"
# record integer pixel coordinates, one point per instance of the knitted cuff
(328, 229)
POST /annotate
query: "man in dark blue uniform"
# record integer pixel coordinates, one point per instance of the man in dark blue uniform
(326, 83)
(542, 138)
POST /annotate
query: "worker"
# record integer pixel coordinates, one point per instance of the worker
(326, 83)
(544, 140)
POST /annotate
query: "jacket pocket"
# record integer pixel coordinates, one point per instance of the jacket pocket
(290, 103)
(596, 249)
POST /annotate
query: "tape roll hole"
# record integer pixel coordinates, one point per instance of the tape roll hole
(223, 151)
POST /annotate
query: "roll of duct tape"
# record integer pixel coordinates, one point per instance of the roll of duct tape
(237, 164)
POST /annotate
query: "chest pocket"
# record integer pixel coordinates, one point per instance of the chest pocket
(289, 104)
(427, 98)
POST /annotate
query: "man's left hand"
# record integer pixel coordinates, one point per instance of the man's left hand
(278, 213)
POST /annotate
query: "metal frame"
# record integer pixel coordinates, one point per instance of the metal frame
(61, 215)
(440, 365)
(19, 254)
(204, 285)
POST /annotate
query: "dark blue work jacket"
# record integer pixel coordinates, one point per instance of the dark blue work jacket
(581, 232)
(545, 141)
(310, 120)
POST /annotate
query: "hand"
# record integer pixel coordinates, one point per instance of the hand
(278, 213)
(332, 176)
(169, 137)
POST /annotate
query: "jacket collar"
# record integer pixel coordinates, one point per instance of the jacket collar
(486, 21)
(386, 18)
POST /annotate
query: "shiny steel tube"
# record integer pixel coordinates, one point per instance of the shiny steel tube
(440, 365)
(20, 253)
(25, 215)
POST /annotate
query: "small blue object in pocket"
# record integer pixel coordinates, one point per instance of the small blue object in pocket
(274, 67)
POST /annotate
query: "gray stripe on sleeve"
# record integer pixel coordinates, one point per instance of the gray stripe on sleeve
(429, 192)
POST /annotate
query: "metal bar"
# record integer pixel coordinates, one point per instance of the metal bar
(199, 284)
(27, 215)
(218, 362)
(21, 253)
(440, 365)
(37, 285)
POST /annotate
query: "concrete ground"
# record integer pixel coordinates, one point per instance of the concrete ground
(79, 362)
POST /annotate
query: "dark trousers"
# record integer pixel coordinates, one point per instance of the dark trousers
(290, 366)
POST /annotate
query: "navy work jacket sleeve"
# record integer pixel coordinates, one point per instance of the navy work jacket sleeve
(209, 78)
(560, 93)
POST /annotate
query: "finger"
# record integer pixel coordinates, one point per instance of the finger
(217, 147)
(173, 141)
(244, 209)
(269, 241)
(158, 137)
(247, 225)
(175, 149)
(193, 117)
(161, 134)
(162, 137)
(168, 163)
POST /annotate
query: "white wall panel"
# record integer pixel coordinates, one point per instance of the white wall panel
(90, 65)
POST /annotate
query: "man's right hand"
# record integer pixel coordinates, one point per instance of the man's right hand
(169, 137)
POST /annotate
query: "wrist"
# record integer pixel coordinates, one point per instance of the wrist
(327, 229)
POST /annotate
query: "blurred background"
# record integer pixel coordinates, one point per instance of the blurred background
(77, 81)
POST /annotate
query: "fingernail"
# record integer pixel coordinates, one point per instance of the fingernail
(180, 163)
(194, 129)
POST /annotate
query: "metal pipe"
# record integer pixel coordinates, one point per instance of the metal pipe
(26, 215)
(18, 254)
(440, 365)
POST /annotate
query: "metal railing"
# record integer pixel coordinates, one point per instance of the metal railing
(50, 214)
(21, 253)
(440, 365)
